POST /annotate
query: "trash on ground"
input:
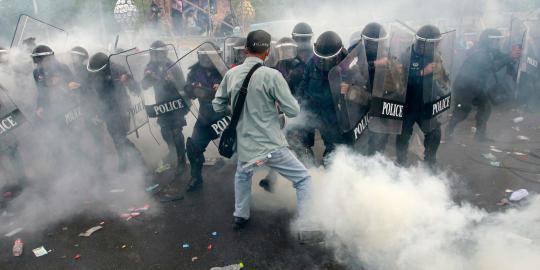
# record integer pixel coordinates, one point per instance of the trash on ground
(117, 190)
(210, 247)
(504, 201)
(495, 164)
(523, 138)
(91, 231)
(490, 156)
(152, 188)
(18, 247)
(519, 195)
(194, 259)
(518, 119)
(516, 128)
(102, 223)
(140, 209)
(40, 251)
(519, 154)
(77, 257)
(508, 191)
(494, 149)
(230, 267)
(128, 216)
(13, 232)
(185, 245)
(214, 234)
(124, 246)
(162, 167)
(64, 228)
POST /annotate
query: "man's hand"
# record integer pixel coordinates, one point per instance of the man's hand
(124, 78)
(73, 85)
(344, 88)
(428, 69)
(516, 52)
(215, 86)
(39, 112)
(381, 62)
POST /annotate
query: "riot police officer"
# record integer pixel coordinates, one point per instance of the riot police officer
(165, 84)
(202, 81)
(485, 59)
(110, 82)
(315, 93)
(425, 72)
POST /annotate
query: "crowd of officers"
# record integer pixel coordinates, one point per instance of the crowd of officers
(102, 89)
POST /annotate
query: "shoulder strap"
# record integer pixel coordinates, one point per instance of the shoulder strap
(239, 106)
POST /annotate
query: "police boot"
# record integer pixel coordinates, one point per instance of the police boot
(196, 161)
(181, 165)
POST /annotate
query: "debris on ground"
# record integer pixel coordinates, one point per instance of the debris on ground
(91, 231)
(185, 245)
(490, 156)
(504, 201)
(214, 234)
(518, 195)
(210, 247)
(495, 164)
(18, 247)
(519, 154)
(523, 138)
(13, 232)
(162, 167)
(139, 209)
(518, 119)
(508, 191)
(230, 267)
(194, 259)
(152, 188)
(117, 190)
(128, 216)
(40, 251)
(77, 257)
(124, 246)
(516, 128)
(496, 150)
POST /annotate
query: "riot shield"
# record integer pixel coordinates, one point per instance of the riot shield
(518, 36)
(162, 87)
(285, 49)
(531, 49)
(232, 47)
(437, 88)
(204, 69)
(349, 82)
(13, 124)
(390, 81)
(137, 113)
(31, 30)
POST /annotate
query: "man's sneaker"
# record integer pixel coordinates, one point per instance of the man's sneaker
(239, 223)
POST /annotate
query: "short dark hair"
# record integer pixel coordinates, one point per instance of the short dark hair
(258, 41)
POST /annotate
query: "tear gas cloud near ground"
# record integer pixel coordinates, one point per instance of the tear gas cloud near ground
(374, 213)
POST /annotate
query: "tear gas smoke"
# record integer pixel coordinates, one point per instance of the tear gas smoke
(380, 216)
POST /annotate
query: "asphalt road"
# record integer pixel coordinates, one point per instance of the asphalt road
(154, 240)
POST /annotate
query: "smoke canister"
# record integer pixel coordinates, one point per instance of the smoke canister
(18, 247)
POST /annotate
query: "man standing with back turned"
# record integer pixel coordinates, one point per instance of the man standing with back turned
(260, 140)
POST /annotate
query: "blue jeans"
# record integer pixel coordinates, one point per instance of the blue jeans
(285, 163)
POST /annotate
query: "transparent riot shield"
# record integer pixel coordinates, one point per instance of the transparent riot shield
(285, 49)
(14, 126)
(437, 90)
(390, 81)
(349, 83)
(30, 30)
(531, 50)
(121, 76)
(232, 48)
(162, 88)
(518, 37)
(204, 69)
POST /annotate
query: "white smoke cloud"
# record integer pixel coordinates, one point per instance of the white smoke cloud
(384, 217)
